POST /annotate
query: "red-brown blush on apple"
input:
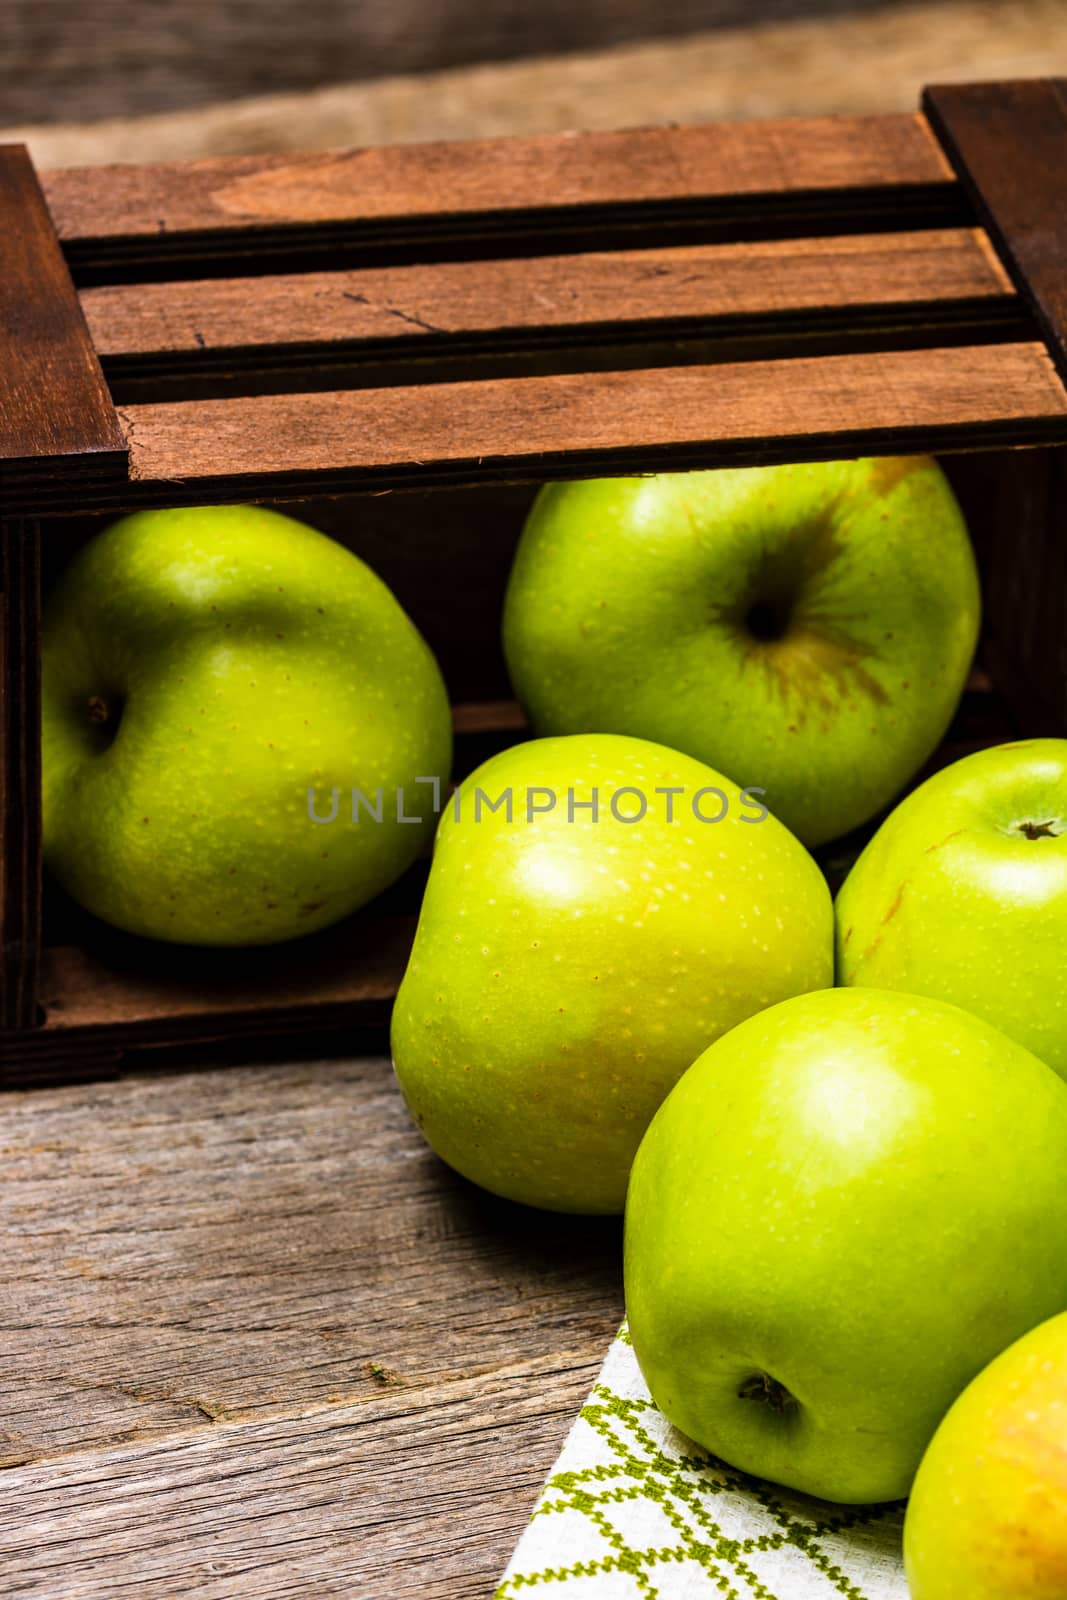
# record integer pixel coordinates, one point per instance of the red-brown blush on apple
(810, 658)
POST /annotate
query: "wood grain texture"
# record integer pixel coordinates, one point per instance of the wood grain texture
(20, 772)
(925, 271)
(691, 163)
(257, 1339)
(400, 1498)
(56, 416)
(113, 991)
(494, 187)
(239, 1243)
(1008, 142)
(570, 425)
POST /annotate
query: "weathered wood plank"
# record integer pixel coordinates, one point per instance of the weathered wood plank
(928, 270)
(241, 1242)
(1009, 144)
(399, 1497)
(404, 184)
(571, 425)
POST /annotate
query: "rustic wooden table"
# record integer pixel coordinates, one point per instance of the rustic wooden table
(258, 1340)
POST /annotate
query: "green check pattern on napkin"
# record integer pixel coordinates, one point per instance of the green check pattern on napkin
(634, 1509)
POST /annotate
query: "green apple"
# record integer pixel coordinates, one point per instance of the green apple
(988, 1513)
(962, 895)
(846, 1207)
(569, 966)
(805, 628)
(217, 683)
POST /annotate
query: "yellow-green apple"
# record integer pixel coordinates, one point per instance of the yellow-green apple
(987, 1517)
(223, 689)
(962, 895)
(805, 628)
(570, 963)
(844, 1209)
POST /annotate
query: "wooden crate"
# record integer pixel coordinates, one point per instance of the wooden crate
(361, 331)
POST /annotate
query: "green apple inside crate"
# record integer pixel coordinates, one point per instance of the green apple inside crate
(209, 674)
(461, 545)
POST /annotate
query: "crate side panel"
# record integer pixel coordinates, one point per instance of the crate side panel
(20, 773)
(1022, 547)
(1009, 144)
(55, 409)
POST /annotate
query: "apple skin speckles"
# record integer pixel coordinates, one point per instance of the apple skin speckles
(607, 979)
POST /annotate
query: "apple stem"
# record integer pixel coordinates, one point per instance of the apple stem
(761, 1386)
(98, 709)
(1040, 830)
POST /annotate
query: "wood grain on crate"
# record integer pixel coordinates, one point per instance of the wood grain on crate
(928, 269)
(1009, 141)
(717, 161)
(533, 428)
(80, 988)
(251, 1325)
(55, 409)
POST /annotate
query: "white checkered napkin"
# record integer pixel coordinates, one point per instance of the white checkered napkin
(633, 1509)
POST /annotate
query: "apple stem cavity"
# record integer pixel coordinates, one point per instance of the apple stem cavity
(104, 714)
(762, 1387)
(767, 620)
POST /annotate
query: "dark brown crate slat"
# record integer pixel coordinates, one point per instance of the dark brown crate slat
(932, 273)
(521, 429)
(55, 409)
(356, 963)
(430, 189)
(1009, 143)
(20, 772)
(98, 1006)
